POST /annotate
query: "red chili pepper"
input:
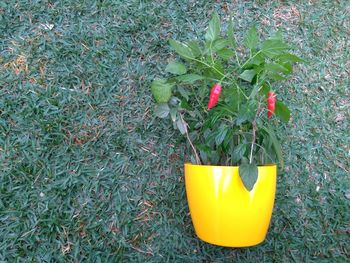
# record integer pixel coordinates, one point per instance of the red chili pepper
(271, 103)
(214, 95)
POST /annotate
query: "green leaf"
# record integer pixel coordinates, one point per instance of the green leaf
(246, 113)
(184, 105)
(202, 92)
(230, 34)
(255, 91)
(288, 57)
(174, 101)
(214, 157)
(219, 68)
(162, 110)
(288, 67)
(257, 59)
(275, 68)
(264, 90)
(219, 44)
(220, 137)
(276, 144)
(161, 90)
(204, 151)
(228, 139)
(176, 68)
(275, 71)
(248, 75)
(232, 97)
(173, 114)
(251, 38)
(282, 111)
(226, 53)
(213, 29)
(182, 49)
(184, 93)
(249, 175)
(277, 77)
(193, 45)
(242, 116)
(181, 125)
(190, 78)
(272, 48)
(277, 36)
(244, 160)
(239, 152)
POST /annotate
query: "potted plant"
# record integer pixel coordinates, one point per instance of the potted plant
(223, 99)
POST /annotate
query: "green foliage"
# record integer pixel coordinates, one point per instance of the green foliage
(176, 68)
(181, 125)
(214, 28)
(239, 152)
(189, 78)
(161, 90)
(182, 49)
(274, 47)
(230, 34)
(251, 39)
(237, 129)
(276, 144)
(225, 53)
(248, 75)
(162, 110)
(249, 174)
(282, 111)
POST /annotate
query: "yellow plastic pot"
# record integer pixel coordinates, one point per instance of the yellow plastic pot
(223, 212)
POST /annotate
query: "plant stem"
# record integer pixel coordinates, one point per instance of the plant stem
(254, 132)
(189, 140)
(245, 96)
(253, 142)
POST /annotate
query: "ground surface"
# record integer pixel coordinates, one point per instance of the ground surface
(87, 174)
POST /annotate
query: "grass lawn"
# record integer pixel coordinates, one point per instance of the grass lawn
(87, 174)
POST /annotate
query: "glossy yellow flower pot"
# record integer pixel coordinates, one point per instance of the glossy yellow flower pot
(223, 211)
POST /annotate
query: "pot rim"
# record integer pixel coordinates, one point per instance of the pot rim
(226, 166)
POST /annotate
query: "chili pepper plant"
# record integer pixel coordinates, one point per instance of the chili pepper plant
(223, 97)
